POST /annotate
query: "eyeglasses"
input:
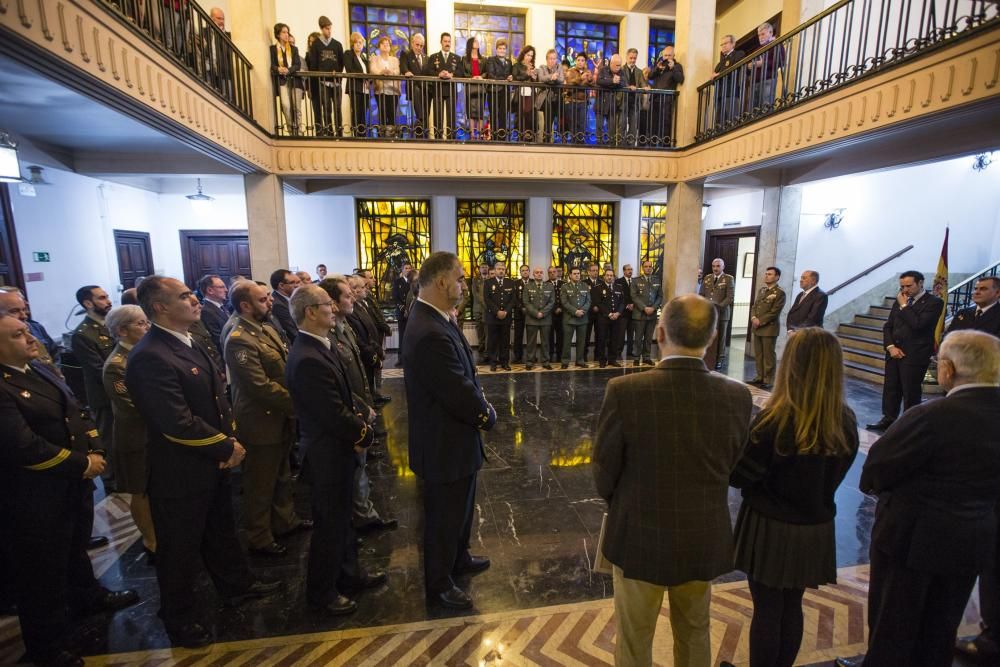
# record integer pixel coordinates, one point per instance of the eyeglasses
(145, 324)
(323, 303)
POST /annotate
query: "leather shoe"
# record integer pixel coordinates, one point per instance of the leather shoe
(97, 542)
(258, 589)
(615, 364)
(453, 598)
(474, 565)
(339, 606)
(370, 580)
(113, 600)
(272, 550)
(379, 524)
(547, 367)
(192, 635)
(493, 368)
(849, 662)
(383, 399)
(564, 366)
(981, 647)
(648, 362)
(529, 367)
(880, 425)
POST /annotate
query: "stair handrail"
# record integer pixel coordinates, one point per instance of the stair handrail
(871, 268)
(960, 296)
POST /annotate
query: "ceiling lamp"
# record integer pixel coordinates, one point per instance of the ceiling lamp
(10, 170)
(200, 196)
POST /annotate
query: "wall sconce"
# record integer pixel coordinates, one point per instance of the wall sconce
(704, 211)
(10, 168)
(833, 220)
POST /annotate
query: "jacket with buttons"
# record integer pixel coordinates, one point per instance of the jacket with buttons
(575, 296)
(262, 406)
(538, 297)
(92, 344)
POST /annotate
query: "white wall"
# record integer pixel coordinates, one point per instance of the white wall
(321, 230)
(728, 205)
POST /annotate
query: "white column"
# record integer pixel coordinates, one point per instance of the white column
(302, 17)
(539, 231)
(635, 35)
(628, 233)
(696, 53)
(252, 27)
(444, 228)
(541, 29)
(682, 240)
(266, 224)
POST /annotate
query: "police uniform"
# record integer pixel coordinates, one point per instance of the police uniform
(262, 407)
(48, 511)
(190, 430)
(499, 294)
(539, 296)
(591, 316)
(574, 297)
(767, 309)
(975, 318)
(442, 99)
(610, 300)
(92, 344)
(627, 323)
(720, 291)
(556, 330)
(519, 284)
(478, 311)
(647, 292)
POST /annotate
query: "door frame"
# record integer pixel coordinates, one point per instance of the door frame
(706, 265)
(138, 236)
(15, 252)
(192, 234)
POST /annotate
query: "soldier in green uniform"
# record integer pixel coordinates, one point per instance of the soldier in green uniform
(719, 288)
(517, 342)
(555, 341)
(479, 309)
(575, 297)
(539, 298)
(765, 316)
(262, 407)
(647, 296)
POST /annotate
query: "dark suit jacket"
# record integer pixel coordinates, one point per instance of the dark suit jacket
(281, 311)
(726, 62)
(367, 335)
(966, 319)
(935, 472)
(911, 329)
(499, 295)
(808, 311)
(446, 405)
(352, 65)
(214, 318)
(328, 417)
(667, 441)
(189, 424)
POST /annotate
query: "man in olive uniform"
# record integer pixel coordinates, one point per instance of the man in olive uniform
(479, 310)
(647, 295)
(592, 279)
(445, 65)
(400, 293)
(92, 344)
(555, 341)
(519, 283)
(500, 295)
(575, 299)
(609, 298)
(719, 288)
(262, 406)
(765, 316)
(539, 299)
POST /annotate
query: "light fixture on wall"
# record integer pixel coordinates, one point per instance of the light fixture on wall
(36, 177)
(833, 220)
(10, 169)
(982, 161)
(199, 200)
(704, 211)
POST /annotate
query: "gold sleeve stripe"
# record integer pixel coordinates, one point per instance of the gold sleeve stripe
(198, 443)
(92, 433)
(51, 463)
(364, 432)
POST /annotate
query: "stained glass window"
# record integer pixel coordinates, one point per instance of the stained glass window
(491, 231)
(652, 227)
(392, 232)
(373, 21)
(661, 34)
(489, 27)
(582, 232)
(597, 39)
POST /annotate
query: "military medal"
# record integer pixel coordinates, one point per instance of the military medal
(194, 371)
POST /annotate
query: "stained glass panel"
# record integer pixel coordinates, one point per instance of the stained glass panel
(392, 232)
(661, 34)
(597, 39)
(489, 27)
(491, 231)
(373, 21)
(652, 227)
(582, 232)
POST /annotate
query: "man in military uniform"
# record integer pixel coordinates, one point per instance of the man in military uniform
(375, 310)
(400, 293)
(479, 310)
(201, 336)
(539, 299)
(519, 313)
(719, 288)
(609, 298)
(255, 358)
(500, 296)
(50, 455)
(91, 345)
(765, 317)
(625, 282)
(12, 303)
(446, 66)
(647, 296)
(575, 299)
(191, 449)
(555, 342)
(592, 279)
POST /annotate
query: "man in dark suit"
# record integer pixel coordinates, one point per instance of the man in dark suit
(984, 316)
(809, 307)
(908, 338)
(662, 458)
(367, 335)
(333, 432)
(446, 66)
(214, 312)
(499, 68)
(500, 295)
(284, 283)
(400, 292)
(518, 340)
(50, 455)
(326, 55)
(191, 448)
(625, 283)
(447, 411)
(414, 63)
(727, 89)
(935, 472)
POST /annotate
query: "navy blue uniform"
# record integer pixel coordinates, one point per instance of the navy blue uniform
(608, 299)
(499, 294)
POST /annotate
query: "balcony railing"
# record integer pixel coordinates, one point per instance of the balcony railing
(849, 40)
(182, 30)
(406, 108)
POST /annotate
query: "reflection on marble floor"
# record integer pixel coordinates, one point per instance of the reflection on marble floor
(537, 517)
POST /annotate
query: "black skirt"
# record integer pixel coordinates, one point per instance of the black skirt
(784, 555)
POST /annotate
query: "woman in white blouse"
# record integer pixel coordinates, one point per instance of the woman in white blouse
(386, 90)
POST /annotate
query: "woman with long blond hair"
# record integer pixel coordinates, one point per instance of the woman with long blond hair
(801, 446)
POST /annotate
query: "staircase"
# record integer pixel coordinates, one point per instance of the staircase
(864, 354)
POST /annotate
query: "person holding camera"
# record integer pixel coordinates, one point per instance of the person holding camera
(666, 74)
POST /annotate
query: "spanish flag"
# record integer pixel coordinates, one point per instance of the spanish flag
(941, 288)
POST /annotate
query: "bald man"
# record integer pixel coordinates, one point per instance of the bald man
(612, 101)
(720, 288)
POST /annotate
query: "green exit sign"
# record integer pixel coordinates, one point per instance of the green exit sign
(41, 257)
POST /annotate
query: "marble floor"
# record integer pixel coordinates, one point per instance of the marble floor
(537, 518)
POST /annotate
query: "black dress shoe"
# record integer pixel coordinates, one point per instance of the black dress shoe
(379, 524)
(258, 589)
(454, 598)
(272, 550)
(97, 542)
(564, 366)
(849, 662)
(383, 399)
(493, 368)
(339, 606)
(648, 362)
(547, 367)
(192, 635)
(113, 601)
(529, 367)
(474, 565)
(880, 425)
(370, 580)
(581, 364)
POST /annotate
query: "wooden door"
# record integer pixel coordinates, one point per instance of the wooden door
(222, 252)
(10, 260)
(135, 256)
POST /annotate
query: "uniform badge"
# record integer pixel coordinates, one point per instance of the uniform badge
(120, 387)
(242, 357)
(25, 394)
(194, 371)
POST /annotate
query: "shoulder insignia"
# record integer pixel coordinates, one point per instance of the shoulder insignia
(92, 433)
(194, 370)
(242, 357)
(6, 376)
(25, 394)
(235, 333)
(120, 387)
(117, 359)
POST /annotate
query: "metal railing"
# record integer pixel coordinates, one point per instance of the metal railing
(960, 296)
(182, 30)
(849, 40)
(871, 268)
(408, 108)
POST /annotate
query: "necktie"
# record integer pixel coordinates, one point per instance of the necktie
(979, 313)
(909, 301)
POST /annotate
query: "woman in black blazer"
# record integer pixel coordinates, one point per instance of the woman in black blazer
(285, 63)
(356, 62)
